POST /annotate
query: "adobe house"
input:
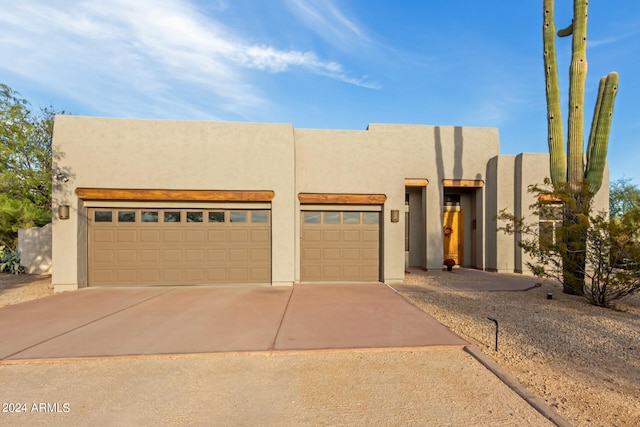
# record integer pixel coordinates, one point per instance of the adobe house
(162, 202)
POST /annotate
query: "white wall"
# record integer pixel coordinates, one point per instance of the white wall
(34, 247)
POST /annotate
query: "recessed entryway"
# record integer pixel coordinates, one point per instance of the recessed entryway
(462, 221)
(415, 222)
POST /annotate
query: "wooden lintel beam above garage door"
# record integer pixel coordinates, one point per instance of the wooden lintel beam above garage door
(469, 183)
(341, 199)
(416, 182)
(174, 195)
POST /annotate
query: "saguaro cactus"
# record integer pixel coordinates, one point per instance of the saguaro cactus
(569, 174)
(571, 169)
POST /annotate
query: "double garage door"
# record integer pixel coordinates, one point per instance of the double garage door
(178, 246)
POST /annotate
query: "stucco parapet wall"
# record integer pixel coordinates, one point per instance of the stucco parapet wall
(172, 155)
(451, 152)
(489, 136)
(170, 122)
(403, 127)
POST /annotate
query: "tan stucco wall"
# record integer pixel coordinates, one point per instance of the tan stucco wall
(445, 152)
(515, 176)
(152, 154)
(379, 159)
(503, 198)
(527, 172)
(354, 162)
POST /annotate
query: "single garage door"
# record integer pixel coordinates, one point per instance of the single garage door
(340, 246)
(178, 246)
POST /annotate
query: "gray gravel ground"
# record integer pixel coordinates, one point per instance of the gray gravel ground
(425, 387)
(581, 359)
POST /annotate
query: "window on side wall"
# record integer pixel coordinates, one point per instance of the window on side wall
(550, 221)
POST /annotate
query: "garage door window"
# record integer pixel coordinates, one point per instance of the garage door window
(312, 217)
(259, 216)
(172, 217)
(331, 217)
(126, 216)
(194, 216)
(238, 216)
(351, 218)
(216, 216)
(103, 216)
(149, 216)
(371, 217)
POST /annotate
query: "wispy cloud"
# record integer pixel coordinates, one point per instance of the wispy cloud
(270, 59)
(328, 22)
(610, 40)
(146, 53)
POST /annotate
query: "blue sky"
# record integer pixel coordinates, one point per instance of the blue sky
(326, 64)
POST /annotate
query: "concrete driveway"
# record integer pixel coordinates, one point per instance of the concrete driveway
(104, 322)
(239, 356)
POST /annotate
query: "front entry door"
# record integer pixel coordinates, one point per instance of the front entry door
(453, 235)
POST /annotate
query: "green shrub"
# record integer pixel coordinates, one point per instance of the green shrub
(15, 214)
(611, 253)
(10, 261)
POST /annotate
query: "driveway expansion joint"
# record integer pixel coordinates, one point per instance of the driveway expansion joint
(284, 313)
(84, 325)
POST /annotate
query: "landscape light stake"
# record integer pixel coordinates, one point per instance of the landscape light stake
(496, 322)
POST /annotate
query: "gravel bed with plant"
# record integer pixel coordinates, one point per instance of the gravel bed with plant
(581, 359)
(16, 288)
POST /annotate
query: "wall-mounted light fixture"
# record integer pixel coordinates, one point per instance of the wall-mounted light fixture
(395, 215)
(63, 211)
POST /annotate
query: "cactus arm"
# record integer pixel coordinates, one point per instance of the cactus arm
(555, 135)
(600, 129)
(566, 31)
(594, 122)
(578, 74)
(570, 166)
